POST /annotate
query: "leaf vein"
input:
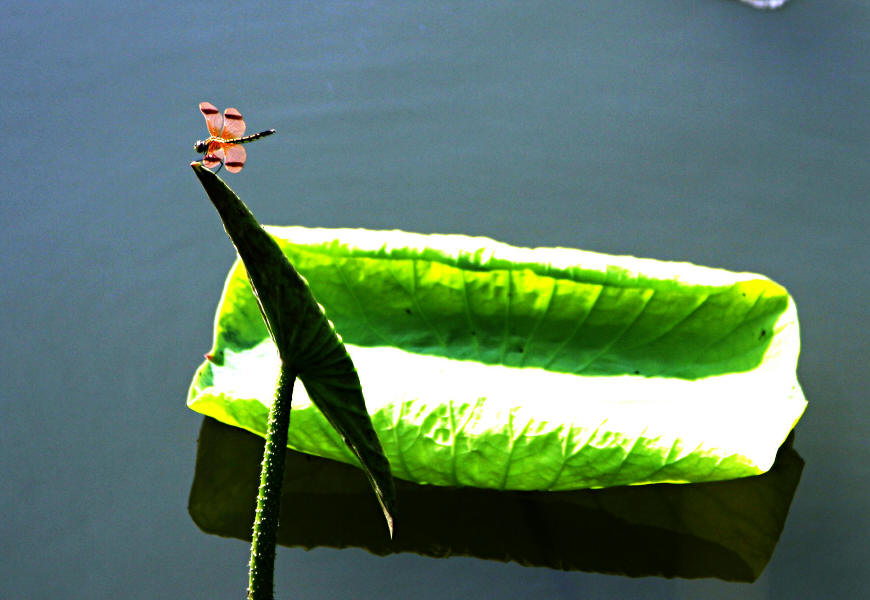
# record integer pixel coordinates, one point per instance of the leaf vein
(574, 331)
(362, 310)
(619, 335)
(543, 315)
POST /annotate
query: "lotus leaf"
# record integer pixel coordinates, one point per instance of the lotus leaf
(493, 366)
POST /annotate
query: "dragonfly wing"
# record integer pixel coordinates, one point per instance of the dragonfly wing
(235, 157)
(214, 156)
(213, 118)
(234, 124)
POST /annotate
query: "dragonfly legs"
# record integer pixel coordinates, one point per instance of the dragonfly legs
(220, 163)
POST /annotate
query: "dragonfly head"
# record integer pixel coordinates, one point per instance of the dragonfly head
(200, 146)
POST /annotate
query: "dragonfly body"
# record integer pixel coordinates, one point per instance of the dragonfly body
(226, 136)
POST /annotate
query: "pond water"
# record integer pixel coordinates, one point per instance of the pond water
(696, 130)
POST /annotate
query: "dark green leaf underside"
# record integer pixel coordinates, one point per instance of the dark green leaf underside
(305, 340)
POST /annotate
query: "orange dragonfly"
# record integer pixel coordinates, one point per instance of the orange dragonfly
(223, 146)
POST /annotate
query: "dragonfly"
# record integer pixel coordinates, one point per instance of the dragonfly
(224, 146)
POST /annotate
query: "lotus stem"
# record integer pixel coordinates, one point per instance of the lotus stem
(261, 574)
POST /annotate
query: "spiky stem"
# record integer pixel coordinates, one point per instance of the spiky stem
(261, 574)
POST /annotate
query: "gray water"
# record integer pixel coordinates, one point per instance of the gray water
(698, 130)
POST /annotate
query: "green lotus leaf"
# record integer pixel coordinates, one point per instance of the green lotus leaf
(494, 366)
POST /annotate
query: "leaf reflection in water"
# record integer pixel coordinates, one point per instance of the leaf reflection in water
(726, 530)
